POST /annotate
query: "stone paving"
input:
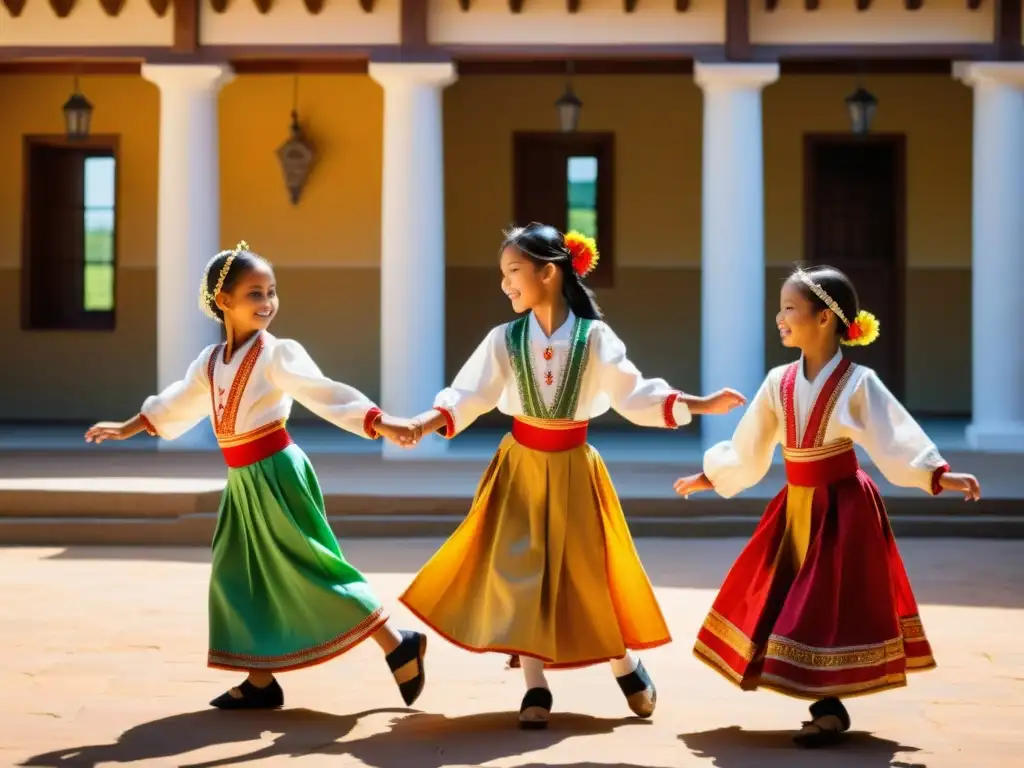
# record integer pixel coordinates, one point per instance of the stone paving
(104, 665)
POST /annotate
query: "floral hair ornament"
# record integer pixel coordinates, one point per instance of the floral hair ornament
(208, 300)
(583, 252)
(865, 326)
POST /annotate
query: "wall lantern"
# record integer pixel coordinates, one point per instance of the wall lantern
(569, 106)
(77, 115)
(296, 154)
(861, 104)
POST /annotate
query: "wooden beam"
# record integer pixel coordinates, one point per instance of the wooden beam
(62, 7)
(464, 4)
(863, 5)
(14, 7)
(186, 26)
(913, 5)
(367, 5)
(1007, 32)
(572, 6)
(160, 7)
(515, 6)
(771, 5)
(682, 6)
(314, 6)
(629, 6)
(263, 6)
(737, 30)
(811, 5)
(973, 5)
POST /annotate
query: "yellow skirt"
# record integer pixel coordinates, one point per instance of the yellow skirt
(543, 566)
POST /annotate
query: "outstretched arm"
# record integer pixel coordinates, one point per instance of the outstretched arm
(649, 402)
(901, 450)
(293, 371)
(474, 392)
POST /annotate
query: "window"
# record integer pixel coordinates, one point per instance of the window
(565, 179)
(69, 238)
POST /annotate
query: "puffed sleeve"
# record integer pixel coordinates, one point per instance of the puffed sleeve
(293, 371)
(901, 450)
(477, 387)
(645, 402)
(183, 404)
(734, 465)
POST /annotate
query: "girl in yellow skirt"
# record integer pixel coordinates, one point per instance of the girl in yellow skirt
(544, 565)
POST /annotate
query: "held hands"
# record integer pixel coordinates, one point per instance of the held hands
(107, 430)
(722, 401)
(403, 432)
(968, 485)
(684, 486)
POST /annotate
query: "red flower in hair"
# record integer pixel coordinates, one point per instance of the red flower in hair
(584, 253)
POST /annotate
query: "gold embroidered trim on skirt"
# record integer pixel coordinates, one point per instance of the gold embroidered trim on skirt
(552, 424)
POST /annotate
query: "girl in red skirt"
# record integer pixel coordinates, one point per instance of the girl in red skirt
(818, 605)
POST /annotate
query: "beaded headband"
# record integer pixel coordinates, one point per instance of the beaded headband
(208, 300)
(860, 332)
(820, 292)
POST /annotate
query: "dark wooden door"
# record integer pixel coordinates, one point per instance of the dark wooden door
(854, 204)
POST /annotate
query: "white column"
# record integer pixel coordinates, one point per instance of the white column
(997, 277)
(732, 240)
(412, 266)
(188, 217)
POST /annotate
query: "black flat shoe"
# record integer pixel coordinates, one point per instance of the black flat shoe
(270, 697)
(829, 722)
(406, 664)
(535, 709)
(639, 690)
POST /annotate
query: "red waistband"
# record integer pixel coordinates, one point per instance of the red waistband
(256, 450)
(564, 437)
(810, 472)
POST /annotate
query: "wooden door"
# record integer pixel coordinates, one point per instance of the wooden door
(855, 209)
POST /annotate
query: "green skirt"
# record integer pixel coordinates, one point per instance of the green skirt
(282, 595)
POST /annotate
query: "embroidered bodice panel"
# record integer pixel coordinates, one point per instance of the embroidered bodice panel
(602, 377)
(862, 410)
(256, 387)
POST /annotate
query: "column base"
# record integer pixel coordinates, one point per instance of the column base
(430, 447)
(1002, 437)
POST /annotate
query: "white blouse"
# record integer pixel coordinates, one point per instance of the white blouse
(610, 380)
(255, 388)
(865, 412)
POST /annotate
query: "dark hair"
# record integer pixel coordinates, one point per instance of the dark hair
(837, 285)
(544, 244)
(244, 261)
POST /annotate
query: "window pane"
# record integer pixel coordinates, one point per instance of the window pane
(99, 182)
(99, 237)
(582, 195)
(99, 287)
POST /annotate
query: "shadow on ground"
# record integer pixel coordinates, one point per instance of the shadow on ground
(416, 741)
(734, 747)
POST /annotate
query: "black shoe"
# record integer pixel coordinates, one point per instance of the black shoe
(534, 711)
(830, 721)
(406, 664)
(641, 695)
(270, 697)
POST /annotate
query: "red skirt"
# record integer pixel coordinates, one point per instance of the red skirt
(818, 603)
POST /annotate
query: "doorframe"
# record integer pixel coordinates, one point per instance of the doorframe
(896, 325)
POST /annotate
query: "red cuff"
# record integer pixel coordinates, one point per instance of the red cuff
(669, 410)
(936, 476)
(371, 416)
(449, 423)
(150, 429)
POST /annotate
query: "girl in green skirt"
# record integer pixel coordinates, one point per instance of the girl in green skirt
(282, 595)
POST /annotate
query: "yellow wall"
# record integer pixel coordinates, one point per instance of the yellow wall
(326, 250)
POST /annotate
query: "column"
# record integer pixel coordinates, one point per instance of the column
(412, 267)
(188, 218)
(732, 240)
(997, 279)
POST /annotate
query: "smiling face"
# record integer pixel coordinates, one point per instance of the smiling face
(524, 282)
(800, 323)
(252, 302)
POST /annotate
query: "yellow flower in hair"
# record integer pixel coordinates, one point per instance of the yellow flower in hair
(862, 331)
